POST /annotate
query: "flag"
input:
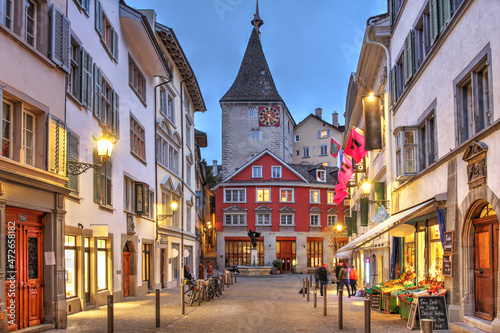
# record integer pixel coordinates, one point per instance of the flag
(339, 160)
(345, 171)
(340, 193)
(355, 145)
(334, 147)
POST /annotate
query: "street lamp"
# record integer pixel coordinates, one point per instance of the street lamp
(104, 147)
(339, 227)
(173, 207)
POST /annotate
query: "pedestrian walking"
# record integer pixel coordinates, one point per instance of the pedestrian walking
(201, 271)
(344, 278)
(210, 270)
(316, 276)
(353, 280)
(323, 277)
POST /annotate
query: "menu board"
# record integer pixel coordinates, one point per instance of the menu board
(448, 242)
(447, 264)
(412, 317)
(434, 307)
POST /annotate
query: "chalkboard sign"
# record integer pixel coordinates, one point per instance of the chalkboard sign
(375, 302)
(447, 264)
(412, 317)
(434, 307)
(448, 242)
(387, 299)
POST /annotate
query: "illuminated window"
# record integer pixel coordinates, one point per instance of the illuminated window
(314, 197)
(314, 252)
(330, 197)
(321, 175)
(263, 195)
(102, 265)
(70, 265)
(324, 134)
(286, 195)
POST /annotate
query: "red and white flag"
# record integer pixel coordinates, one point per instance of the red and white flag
(334, 147)
(345, 171)
(355, 145)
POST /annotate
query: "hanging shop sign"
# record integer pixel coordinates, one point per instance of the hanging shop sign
(359, 167)
(447, 265)
(448, 242)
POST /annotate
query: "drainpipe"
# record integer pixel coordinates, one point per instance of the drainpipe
(388, 114)
(182, 179)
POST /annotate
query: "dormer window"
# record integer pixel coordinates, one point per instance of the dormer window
(321, 176)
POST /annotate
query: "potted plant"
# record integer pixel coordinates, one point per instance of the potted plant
(277, 265)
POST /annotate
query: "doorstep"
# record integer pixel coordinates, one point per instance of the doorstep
(37, 328)
(460, 327)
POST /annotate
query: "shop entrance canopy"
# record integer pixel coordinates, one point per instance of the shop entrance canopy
(345, 252)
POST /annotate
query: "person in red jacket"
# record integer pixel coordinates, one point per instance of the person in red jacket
(353, 278)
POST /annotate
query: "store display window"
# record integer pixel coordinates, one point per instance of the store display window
(409, 254)
(102, 265)
(70, 263)
(421, 256)
(435, 254)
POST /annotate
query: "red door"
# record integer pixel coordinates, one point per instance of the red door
(126, 274)
(24, 268)
(285, 250)
(485, 270)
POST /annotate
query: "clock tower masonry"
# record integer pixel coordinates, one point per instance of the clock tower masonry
(254, 116)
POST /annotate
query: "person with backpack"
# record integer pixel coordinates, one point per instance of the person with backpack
(344, 279)
(323, 277)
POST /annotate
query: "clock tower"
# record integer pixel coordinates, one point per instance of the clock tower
(254, 116)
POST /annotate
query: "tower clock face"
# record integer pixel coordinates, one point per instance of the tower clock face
(269, 116)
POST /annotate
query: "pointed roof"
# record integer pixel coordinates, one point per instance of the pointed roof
(254, 81)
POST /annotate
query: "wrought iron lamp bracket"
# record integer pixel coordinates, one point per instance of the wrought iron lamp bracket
(77, 168)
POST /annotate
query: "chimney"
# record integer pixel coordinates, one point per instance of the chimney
(335, 119)
(215, 168)
(214, 162)
(318, 112)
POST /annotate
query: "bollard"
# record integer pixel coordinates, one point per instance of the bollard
(368, 324)
(311, 281)
(341, 324)
(235, 275)
(111, 327)
(307, 289)
(324, 299)
(426, 325)
(304, 287)
(182, 299)
(227, 279)
(157, 307)
(315, 291)
(231, 274)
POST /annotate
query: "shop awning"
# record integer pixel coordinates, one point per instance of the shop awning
(345, 252)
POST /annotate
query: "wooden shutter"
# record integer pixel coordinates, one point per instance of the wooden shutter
(60, 39)
(116, 114)
(408, 58)
(97, 180)
(348, 222)
(86, 5)
(108, 183)
(86, 79)
(98, 17)
(114, 50)
(433, 20)
(57, 146)
(98, 106)
(354, 222)
(444, 13)
(379, 191)
(364, 208)
(319, 134)
(72, 155)
(393, 85)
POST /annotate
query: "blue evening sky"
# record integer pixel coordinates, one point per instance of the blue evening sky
(311, 46)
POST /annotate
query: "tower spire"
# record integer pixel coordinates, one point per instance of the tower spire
(257, 22)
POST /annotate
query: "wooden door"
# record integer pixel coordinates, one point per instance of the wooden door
(24, 268)
(162, 268)
(126, 274)
(485, 268)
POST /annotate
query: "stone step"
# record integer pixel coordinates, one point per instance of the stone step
(460, 327)
(37, 328)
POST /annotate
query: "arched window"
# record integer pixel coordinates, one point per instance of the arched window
(250, 112)
(255, 112)
(253, 134)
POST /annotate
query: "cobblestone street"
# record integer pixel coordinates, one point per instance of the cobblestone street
(269, 304)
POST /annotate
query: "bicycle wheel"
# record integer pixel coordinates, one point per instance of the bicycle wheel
(187, 295)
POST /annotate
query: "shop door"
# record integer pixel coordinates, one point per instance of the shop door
(126, 274)
(162, 268)
(485, 270)
(24, 268)
(286, 254)
(86, 278)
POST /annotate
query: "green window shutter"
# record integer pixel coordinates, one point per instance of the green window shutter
(391, 11)
(86, 79)
(60, 39)
(97, 93)
(364, 211)
(354, 216)
(72, 155)
(379, 191)
(109, 184)
(86, 6)
(114, 35)
(97, 180)
(408, 57)
(98, 17)
(348, 222)
(433, 20)
(393, 85)
(56, 159)
(444, 14)
(116, 114)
